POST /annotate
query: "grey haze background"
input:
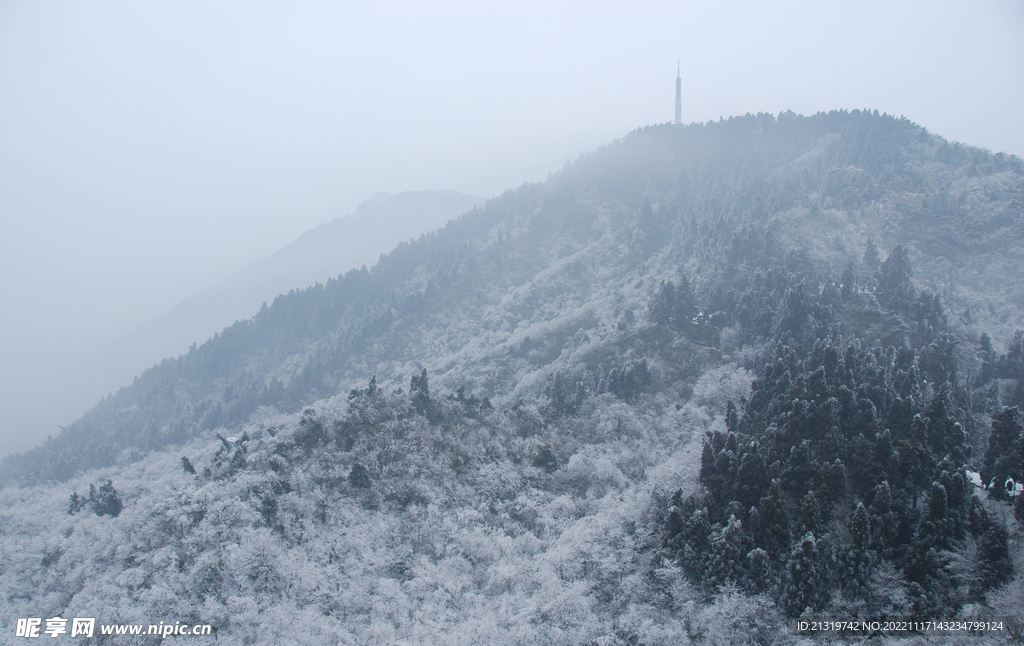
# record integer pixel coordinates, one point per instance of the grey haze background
(150, 150)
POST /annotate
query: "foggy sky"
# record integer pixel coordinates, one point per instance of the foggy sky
(149, 149)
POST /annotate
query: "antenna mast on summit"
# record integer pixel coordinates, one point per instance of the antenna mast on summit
(679, 95)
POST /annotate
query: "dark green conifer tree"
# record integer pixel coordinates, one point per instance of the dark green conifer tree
(977, 517)
(732, 418)
(726, 559)
(674, 521)
(830, 484)
(696, 533)
(863, 467)
(895, 285)
(988, 357)
(997, 564)
(805, 580)
(419, 392)
(859, 557)
(359, 477)
(721, 483)
(941, 419)
(923, 564)
(800, 469)
(883, 453)
(268, 509)
(752, 476)
(774, 531)
(107, 501)
(997, 466)
(707, 463)
(759, 571)
(76, 503)
(916, 461)
(810, 515)
(884, 521)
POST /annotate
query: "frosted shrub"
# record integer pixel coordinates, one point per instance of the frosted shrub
(592, 476)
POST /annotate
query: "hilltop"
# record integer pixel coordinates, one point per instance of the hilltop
(494, 300)
(620, 406)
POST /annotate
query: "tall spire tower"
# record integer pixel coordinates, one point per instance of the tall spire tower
(679, 95)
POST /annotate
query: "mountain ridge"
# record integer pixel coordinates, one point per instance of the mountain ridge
(710, 182)
(325, 251)
(675, 392)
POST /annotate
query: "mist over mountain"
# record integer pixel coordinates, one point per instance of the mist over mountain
(323, 252)
(630, 403)
(461, 300)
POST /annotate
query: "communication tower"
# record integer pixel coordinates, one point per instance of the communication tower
(679, 95)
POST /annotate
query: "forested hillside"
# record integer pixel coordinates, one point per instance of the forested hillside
(487, 301)
(703, 380)
(334, 247)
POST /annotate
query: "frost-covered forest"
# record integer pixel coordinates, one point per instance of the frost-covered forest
(701, 382)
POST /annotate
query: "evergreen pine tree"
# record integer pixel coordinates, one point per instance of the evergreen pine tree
(696, 533)
(954, 480)
(419, 392)
(916, 461)
(988, 357)
(752, 476)
(721, 483)
(800, 469)
(997, 466)
(977, 517)
(997, 564)
(830, 484)
(940, 415)
(805, 585)
(883, 453)
(810, 515)
(929, 540)
(863, 470)
(732, 418)
(759, 571)
(268, 509)
(663, 306)
(884, 522)
(895, 286)
(727, 555)
(859, 558)
(774, 531)
(107, 502)
(707, 463)
(359, 477)
(674, 521)
(76, 504)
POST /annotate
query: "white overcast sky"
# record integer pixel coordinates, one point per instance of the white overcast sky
(149, 149)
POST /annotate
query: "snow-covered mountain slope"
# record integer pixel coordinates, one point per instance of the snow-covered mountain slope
(324, 252)
(622, 406)
(553, 274)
